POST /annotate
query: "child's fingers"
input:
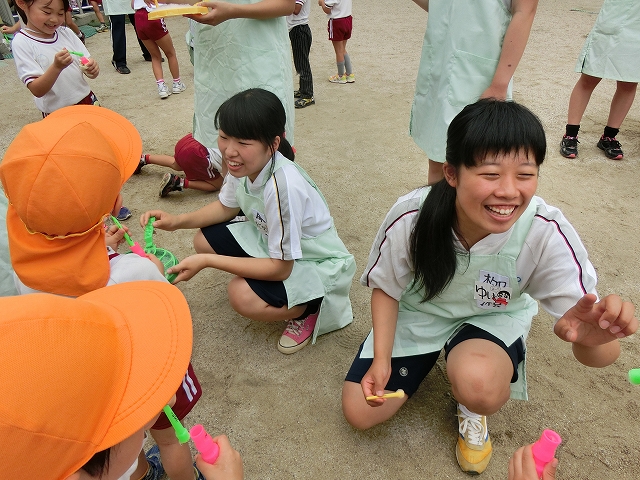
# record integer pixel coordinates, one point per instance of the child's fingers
(626, 323)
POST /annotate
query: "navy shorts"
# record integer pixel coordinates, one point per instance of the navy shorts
(408, 373)
(272, 292)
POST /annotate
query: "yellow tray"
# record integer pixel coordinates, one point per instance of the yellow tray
(175, 9)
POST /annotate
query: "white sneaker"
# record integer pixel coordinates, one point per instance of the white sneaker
(163, 90)
(179, 87)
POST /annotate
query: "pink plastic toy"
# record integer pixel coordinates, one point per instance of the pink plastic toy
(84, 60)
(545, 449)
(209, 450)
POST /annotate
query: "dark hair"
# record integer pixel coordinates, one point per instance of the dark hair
(488, 126)
(23, 16)
(255, 114)
(98, 465)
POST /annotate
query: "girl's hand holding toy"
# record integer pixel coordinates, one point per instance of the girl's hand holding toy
(164, 220)
(188, 267)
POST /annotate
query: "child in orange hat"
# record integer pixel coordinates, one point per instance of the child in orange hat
(76, 160)
(89, 390)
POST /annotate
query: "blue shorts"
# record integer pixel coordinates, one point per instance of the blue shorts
(408, 373)
(223, 242)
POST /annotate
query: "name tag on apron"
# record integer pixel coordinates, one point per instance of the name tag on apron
(492, 291)
(261, 221)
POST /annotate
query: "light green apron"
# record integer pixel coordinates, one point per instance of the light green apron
(460, 54)
(236, 55)
(117, 7)
(612, 49)
(325, 269)
(7, 285)
(484, 292)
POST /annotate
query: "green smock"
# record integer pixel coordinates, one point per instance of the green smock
(326, 268)
(484, 292)
(7, 285)
(236, 55)
(117, 7)
(460, 53)
(612, 49)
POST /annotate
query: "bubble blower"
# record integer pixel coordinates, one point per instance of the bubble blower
(209, 450)
(181, 432)
(397, 394)
(545, 449)
(83, 60)
(134, 246)
(167, 258)
(634, 376)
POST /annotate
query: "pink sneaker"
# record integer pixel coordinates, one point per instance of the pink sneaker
(297, 334)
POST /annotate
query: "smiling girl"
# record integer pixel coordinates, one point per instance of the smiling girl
(458, 266)
(288, 260)
(42, 53)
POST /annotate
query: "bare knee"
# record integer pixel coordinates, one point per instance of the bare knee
(241, 297)
(359, 414)
(201, 244)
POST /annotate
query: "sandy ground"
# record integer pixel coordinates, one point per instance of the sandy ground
(283, 412)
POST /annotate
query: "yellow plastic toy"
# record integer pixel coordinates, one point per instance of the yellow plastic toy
(176, 9)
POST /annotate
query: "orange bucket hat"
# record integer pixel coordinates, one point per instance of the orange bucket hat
(81, 375)
(62, 175)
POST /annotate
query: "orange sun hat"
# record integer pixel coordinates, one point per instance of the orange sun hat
(62, 175)
(81, 375)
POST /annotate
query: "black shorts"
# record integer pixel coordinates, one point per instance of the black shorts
(408, 373)
(272, 292)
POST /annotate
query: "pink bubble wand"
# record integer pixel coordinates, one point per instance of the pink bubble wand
(209, 450)
(545, 449)
(134, 246)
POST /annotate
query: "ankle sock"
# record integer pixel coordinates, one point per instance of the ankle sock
(185, 183)
(610, 132)
(571, 130)
(176, 80)
(160, 82)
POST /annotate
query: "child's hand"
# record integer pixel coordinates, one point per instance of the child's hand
(62, 59)
(591, 324)
(114, 236)
(91, 68)
(188, 267)
(523, 467)
(375, 381)
(228, 466)
(219, 12)
(164, 220)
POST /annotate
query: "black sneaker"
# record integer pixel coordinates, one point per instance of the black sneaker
(569, 147)
(612, 148)
(170, 183)
(141, 164)
(123, 69)
(304, 102)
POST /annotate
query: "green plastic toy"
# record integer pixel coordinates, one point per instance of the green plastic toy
(181, 433)
(167, 258)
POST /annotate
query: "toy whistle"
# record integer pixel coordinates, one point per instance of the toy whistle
(545, 449)
(397, 394)
(135, 247)
(209, 450)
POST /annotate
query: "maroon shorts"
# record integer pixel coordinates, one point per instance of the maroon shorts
(339, 28)
(193, 158)
(187, 396)
(149, 29)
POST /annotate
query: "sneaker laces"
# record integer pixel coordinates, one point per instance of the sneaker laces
(471, 428)
(294, 327)
(613, 143)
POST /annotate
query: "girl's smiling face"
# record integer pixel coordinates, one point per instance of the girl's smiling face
(492, 195)
(44, 16)
(245, 158)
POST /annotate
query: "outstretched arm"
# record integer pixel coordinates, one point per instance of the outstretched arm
(384, 314)
(594, 328)
(513, 45)
(223, 11)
